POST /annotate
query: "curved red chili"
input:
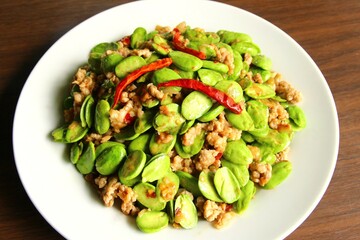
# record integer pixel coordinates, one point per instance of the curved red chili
(214, 93)
(131, 77)
(179, 45)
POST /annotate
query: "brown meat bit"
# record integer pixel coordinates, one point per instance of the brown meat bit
(223, 219)
(211, 210)
(247, 59)
(189, 137)
(226, 57)
(86, 82)
(118, 118)
(110, 188)
(199, 203)
(162, 29)
(255, 151)
(165, 110)
(141, 52)
(97, 139)
(257, 78)
(128, 197)
(260, 172)
(164, 137)
(219, 214)
(223, 128)
(101, 181)
(206, 158)
(277, 115)
(182, 164)
(167, 189)
(110, 191)
(286, 91)
(283, 155)
(69, 115)
(218, 142)
(154, 91)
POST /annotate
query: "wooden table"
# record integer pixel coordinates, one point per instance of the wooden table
(328, 30)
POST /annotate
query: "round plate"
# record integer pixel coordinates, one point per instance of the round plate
(64, 199)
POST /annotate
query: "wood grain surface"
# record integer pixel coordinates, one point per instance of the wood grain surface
(329, 30)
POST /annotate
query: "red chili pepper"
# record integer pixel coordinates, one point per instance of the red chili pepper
(129, 119)
(214, 93)
(179, 45)
(131, 77)
(218, 156)
(125, 40)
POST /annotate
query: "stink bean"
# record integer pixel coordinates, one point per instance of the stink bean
(128, 65)
(151, 221)
(138, 37)
(133, 166)
(185, 61)
(109, 160)
(140, 143)
(158, 146)
(86, 162)
(216, 66)
(280, 171)
(195, 105)
(242, 121)
(237, 152)
(185, 212)
(227, 185)
(207, 187)
(189, 182)
(75, 132)
(102, 121)
(146, 195)
(157, 167)
(262, 61)
(240, 171)
(247, 193)
(209, 77)
(246, 47)
(297, 116)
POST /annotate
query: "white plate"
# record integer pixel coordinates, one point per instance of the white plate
(59, 192)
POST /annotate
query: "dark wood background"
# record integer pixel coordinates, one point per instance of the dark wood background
(329, 30)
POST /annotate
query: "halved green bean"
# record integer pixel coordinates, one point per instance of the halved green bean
(138, 37)
(128, 65)
(152, 221)
(157, 167)
(237, 152)
(195, 105)
(185, 61)
(140, 143)
(185, 211)
(227, 185)
(102, 121)
(146, 195)
(74, 132)
(207, 187)
(209, 77)
(280, 171)
(133, 165)
(216, 66)
(75, 152)
(109, 159)
(167, 186)
(86, 162)
(189, 182)
(158, 146)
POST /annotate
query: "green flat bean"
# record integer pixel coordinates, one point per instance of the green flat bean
(152, 221)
